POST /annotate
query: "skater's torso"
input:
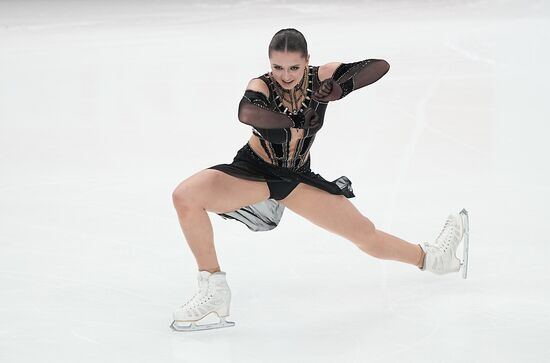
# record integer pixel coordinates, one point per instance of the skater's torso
(288, 147)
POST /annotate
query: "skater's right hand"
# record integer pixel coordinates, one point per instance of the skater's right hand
(307, 119)
(311, 118)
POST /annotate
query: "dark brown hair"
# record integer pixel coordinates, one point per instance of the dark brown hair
(288, 40)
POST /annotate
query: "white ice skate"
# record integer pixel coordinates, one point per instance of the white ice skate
(213, 296)
(441, 256)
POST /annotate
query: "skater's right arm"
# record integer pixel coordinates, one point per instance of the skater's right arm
(254, 111)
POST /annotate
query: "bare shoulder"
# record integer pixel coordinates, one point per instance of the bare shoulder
(258, 85)
(327, 70)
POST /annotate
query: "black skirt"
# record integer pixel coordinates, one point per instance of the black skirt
(266, 215)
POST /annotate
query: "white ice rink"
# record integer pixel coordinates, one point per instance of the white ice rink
(105, 106)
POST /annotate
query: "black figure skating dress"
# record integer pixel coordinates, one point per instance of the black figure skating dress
(278, 153)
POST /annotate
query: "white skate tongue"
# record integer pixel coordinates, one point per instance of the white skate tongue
(203, 277)
(204, 274)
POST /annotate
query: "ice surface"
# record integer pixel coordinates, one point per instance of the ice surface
(102, 114)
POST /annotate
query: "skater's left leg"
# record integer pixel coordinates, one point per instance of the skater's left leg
(337, 214)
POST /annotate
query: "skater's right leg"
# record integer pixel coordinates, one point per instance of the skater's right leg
(214, 191)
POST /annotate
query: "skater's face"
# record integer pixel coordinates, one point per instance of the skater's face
(288, 68)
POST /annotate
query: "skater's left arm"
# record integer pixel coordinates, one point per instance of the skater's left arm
(340, 79)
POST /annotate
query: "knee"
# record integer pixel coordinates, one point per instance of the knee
(368, 240)
(182, 197)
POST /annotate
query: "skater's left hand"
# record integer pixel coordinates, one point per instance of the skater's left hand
(329, 90)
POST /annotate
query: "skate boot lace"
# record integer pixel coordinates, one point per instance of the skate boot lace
(203, 289)
(443, 241)
(203, 297)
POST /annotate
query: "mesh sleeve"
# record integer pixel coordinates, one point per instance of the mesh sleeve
(253, 110)
(351, 76)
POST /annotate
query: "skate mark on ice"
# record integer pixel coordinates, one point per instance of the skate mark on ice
(85, 338)
(468, 54)
(414, 139)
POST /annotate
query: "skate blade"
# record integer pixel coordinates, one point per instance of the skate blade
(466, 237)
(185, 326)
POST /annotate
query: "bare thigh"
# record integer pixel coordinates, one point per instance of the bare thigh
(218, 192)
(334, 213)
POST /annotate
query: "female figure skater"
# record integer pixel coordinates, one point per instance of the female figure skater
(271, 172)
